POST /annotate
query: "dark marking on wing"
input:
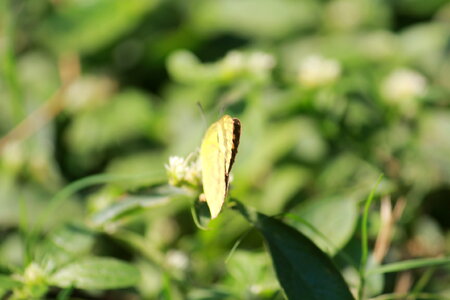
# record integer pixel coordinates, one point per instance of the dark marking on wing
(234, 147)
(235, 144)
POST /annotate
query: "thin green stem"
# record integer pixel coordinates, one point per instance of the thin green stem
(236, 244)
(410, 264)
(404, 296)
(365, 239)
(8, 60)
(23, 228)
(422, 282)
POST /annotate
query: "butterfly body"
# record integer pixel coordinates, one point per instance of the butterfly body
(217, 154)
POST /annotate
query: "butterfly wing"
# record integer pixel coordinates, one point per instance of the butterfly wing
(213, 170)
(217, 154)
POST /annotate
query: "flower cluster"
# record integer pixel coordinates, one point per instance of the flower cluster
(184, 172)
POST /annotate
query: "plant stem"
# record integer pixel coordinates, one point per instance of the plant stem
(8, 60)
(365, 240)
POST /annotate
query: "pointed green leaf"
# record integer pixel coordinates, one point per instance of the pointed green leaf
(304, 271)
(128, 206)
(65, 244)
(96, 273)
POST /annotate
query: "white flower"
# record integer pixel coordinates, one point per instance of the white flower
(403, 85)
(88, 92)
(315, 71)
(13, 156)
(233, 63)
(176, 170)
(177, 259)
(260, 62)
(184, 172)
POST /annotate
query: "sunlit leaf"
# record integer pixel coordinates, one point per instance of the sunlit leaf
(96, 273)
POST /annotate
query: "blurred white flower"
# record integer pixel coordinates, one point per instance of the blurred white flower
(88, 92)
(256, 289)
(176, 170)
(257, 63)
(233, 63)
(33, 274)
(260, 62)
(316, 71)
(13, 156)
(403, 85)
(184, 172)
(177, 259)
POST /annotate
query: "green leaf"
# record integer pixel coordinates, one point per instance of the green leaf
(281, 186)
(274, 18)
(65, 244)
(200, 214)
(7, 283)
(132, 205)
(86, 28)
(304, 271)
(185, 67)
(260, 275)
(253, 164)
(96, 273)
(98, 129)
(74, 239)
(326, 215)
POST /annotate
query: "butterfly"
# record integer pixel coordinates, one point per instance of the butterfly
(217, 154)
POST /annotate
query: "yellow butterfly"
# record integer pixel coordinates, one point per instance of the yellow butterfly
(217, 153)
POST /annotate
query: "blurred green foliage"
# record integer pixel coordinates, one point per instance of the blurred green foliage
(330, 94)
